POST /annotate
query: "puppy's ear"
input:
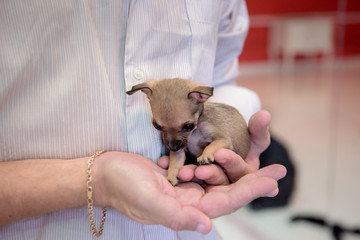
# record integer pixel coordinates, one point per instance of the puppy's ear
(144, 87)
(200, 94)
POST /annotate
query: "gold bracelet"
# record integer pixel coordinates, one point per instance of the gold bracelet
(90, 200)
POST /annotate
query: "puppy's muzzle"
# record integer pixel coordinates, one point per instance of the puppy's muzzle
(176, 145)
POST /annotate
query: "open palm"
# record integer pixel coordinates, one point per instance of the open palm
(139, 189)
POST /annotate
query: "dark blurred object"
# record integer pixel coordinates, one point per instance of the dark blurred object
(337, 229)
(276, 153)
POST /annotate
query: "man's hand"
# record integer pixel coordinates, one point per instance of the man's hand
(139, 189)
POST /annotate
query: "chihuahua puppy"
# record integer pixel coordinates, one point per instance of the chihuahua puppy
(188, 123)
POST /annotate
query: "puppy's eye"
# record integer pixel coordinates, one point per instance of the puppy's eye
(157, 126)
(188, 126)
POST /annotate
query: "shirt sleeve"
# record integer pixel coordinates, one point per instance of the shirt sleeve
(233, 29)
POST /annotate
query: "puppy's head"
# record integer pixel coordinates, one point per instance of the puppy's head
(176, 106)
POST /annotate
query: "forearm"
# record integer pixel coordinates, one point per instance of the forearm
(38, 186)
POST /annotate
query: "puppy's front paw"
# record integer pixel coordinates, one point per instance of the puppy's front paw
(173, 180)
(204, 160)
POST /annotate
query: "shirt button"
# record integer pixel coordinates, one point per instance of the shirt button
(138, 73)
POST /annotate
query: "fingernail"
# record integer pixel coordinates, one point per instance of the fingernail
(201, 228)
(273, 193)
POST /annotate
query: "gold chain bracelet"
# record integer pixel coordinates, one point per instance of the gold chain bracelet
(90, 201)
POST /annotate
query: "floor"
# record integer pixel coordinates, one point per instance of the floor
(316, 113)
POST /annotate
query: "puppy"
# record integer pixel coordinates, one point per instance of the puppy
(188, 123)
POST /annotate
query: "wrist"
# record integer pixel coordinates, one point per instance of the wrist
(90, 201)
(100, 193)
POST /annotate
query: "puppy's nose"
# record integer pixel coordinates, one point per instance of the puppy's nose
(174, 146)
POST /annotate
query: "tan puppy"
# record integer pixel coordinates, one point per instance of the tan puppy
(188, 123)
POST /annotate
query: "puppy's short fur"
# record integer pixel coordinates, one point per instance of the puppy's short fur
(188, 123)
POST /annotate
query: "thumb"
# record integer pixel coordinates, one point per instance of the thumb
(178, 217)
(260, 136)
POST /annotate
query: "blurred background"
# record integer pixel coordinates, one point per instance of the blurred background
(303, 59)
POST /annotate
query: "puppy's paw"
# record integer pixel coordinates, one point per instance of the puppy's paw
(204, 160)
(173, 180)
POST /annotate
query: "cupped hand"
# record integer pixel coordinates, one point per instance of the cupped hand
(139, 189)
(224, 199)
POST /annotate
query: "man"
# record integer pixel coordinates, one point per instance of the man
(65, 67)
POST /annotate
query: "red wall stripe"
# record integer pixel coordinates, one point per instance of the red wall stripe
(346, 15)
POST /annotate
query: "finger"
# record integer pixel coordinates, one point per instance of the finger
(187, 172)
(222, 200)
(260, 136)
(217, 203)
(273, 193)
(275, 171)
(163, 162)
(263, 183)
(255, 188)
(234, 166)
(212, 174)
